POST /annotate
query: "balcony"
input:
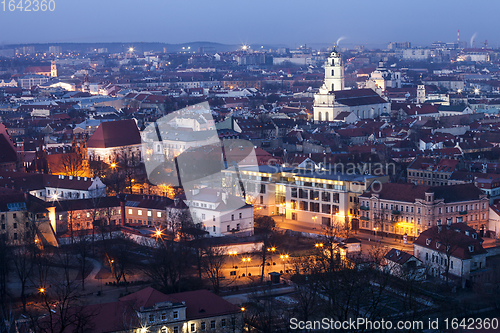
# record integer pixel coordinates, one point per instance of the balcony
(364, 207)
(463, 212)
(396, 212)
(364, 218)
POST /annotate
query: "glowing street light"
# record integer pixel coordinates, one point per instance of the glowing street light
(232, 254)
(113, 165)
(246, 260)
(476, 91)
(242, 309)
(41, 290)
(318, 245)
(131, 49)
(283, 257)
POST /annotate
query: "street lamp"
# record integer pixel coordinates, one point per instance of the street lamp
(246, 260)
(283, 257)
(272, 250)
(232, 254)
(318, 245)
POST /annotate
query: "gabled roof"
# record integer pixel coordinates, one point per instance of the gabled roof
(398, 256)
(148, 297)
(117, 133)
(355, 97)
(463, 240)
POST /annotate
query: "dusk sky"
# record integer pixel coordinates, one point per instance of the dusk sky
(255, 22)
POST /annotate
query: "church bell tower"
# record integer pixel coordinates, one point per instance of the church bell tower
(334, 72)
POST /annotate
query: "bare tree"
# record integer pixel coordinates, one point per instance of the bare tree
(264, 226)
(83, 250)
(213, 259)
(73, 164)
(118, 259)
(23, 267)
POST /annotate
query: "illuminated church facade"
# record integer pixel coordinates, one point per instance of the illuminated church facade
(332, 99)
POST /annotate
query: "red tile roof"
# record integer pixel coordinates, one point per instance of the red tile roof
(112, 134)
(459, 235)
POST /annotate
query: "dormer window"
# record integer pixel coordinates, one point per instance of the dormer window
(176, 314)
(428, 241)
(474, 236)
(466, 232)
(471, 248)
(438, 244)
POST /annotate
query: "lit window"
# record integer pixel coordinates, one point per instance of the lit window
(139, 212)
(150, 213)
(130, 211)
(158, 214)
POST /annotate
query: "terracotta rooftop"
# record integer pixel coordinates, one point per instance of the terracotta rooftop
(117, 133)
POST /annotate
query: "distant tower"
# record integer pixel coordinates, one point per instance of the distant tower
(420, 94)
(334, 72)
(458, 35)
(86, 84)
(53, 69)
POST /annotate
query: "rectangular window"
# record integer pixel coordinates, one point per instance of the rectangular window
(214, 229)
(129, 211)
(193, 327)
(238, 227)
(223, 322)
(139, 212)
(212, 324)
(176, 314)
(241, 215)
(232, 217)
(176, 329)
(202, 216)
(150, 213)
(158, 214)
(15, 225)
(163, 316)
(228, 228)
(202, 325)
(151, 318)
(294, 192)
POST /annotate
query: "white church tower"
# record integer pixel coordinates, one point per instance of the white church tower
(331, 99)
(334, 72)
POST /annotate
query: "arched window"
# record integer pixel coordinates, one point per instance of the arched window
(319, 116)
(333, 87)
(326, 117)
(333, 72)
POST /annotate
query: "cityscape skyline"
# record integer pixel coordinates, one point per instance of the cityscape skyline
(266, 23)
